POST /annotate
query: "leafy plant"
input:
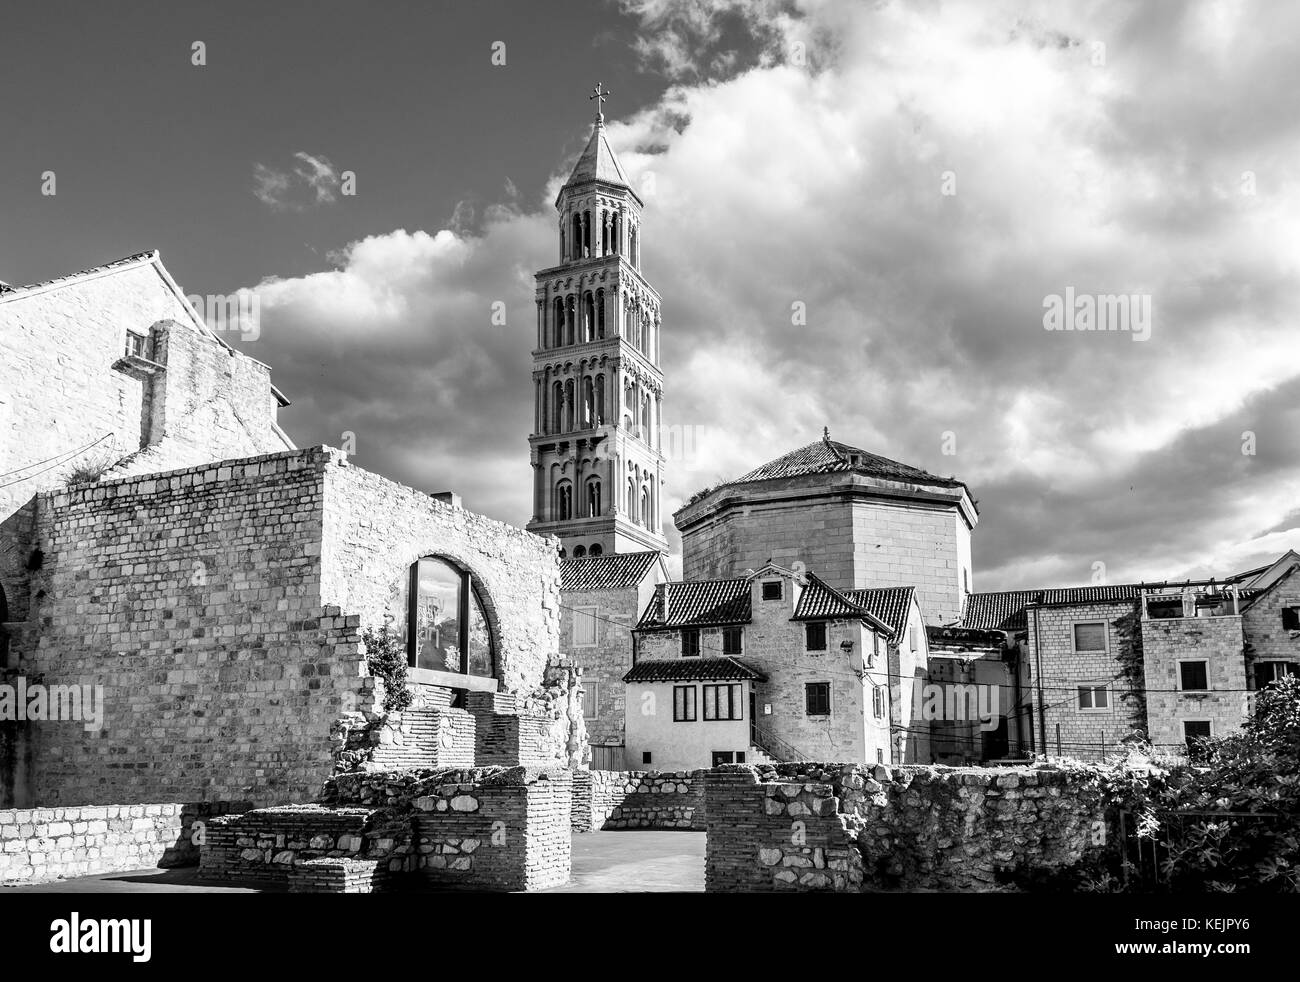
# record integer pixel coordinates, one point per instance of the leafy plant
(386, 658)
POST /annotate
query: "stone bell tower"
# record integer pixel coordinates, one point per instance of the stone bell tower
(598, 463)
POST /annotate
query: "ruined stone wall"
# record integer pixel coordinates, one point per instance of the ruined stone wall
(43, 844)
(638, 800)
(846, 827)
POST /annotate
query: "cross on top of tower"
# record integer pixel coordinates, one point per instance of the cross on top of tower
(600, 94)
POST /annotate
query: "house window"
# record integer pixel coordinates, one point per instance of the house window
(1291, 618)
(584, 623)
(722, 702)
(731, 640)
(564, 501)
(880, 756)
(690, 642)
(590, 699)
(1094, 697)
(446, 625)
(1090, 636)
(137, 345)
(878, 702)
(772, 590)
(1196, 729)
(817, 696)
(645, 757)
(1268, 672)
(1193, 676)
(683, 704)
(816, 635)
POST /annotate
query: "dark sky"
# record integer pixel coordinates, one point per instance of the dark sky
(916, 178)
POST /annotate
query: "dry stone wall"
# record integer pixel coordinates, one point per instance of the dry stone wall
(605, 800)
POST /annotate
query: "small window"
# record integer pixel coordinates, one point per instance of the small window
(590, 699)
(880, 756)
(732, 640)
(1193, 676)
(878, 702)
(690, 642)
(645, 757)
(772, 590)
(1090, 637)
(683, 704)
(1291, 618)
(740, 756)
(1196, 729)
(818, 698)
(137, 345)
(1094, 697)
(722, 702)
(816, 635)
(584, 626)
(1268, 672)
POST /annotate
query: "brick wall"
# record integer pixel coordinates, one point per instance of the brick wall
(43, 844)
(638, 800)
(847, 827)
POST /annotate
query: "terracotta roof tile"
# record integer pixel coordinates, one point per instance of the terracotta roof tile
(891, 604)
(613, 572)
(693, 670)
(828, 456)
(697, 603)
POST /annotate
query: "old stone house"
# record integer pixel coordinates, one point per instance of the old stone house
(182, 618)
(859, 519)
(1171, 660)
(818, 672)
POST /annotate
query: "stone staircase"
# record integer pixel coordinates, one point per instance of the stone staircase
(757, 755)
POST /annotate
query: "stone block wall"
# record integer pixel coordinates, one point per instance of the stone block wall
(43, 844)
(604, 800)
(1220, 642)
(846, 827)
(264, 845)
(1084, 732)
(1266, 638)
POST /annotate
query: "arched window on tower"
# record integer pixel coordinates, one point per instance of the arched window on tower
(631, 500)
(557, 324)
(632, 248)
(588, 403)
(570, 315)
(615, 226)
(646, 426)
(576, 241)
(557, 407)
(604, 236)
(646, 517)
(600, 400)
(563, 501)
(595, 549)
(593, 498)
(588, 317)
(568, 405)
(579, 552)
(600, 313)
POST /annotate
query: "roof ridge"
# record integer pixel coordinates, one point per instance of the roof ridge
(14, 291)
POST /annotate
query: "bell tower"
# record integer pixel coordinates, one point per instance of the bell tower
(596, 445)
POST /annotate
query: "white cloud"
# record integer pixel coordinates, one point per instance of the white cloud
(312, 180)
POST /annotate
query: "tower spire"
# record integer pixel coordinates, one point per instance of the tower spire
(600, 94)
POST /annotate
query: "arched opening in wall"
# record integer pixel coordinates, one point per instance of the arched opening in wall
(576, 251)
(588, 402)
(616, 226)
(586, 234)
(557, 407)
(632, 248)
(645, 419)
(588, 317)
(600, 400)
(579, 552)
(557, 326)
(593, 497)
(646, 517)
(449, 636)
(631, 500)
(570, 315)
(563, 501)
(568, 405)
(600, 313)
(595, 550)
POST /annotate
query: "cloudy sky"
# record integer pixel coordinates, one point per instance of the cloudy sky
(919, 178)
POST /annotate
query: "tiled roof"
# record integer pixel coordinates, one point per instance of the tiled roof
(598, 162)
(820, 601)
(697, 603)
(16, 292)
(692, 670)
(616, 571)
(827, 456)
(1005, 611)
(890, 604)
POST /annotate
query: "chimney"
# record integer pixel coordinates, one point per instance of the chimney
(5, 287)
(447, 498)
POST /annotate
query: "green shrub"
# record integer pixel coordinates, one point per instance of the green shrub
(386, 658)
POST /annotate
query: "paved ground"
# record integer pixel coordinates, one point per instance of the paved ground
(603, 862)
